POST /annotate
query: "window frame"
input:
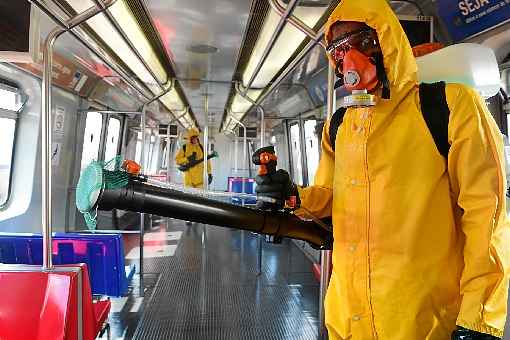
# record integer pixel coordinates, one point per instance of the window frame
(13, 115)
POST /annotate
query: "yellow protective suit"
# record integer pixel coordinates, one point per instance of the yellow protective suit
(194, 176)
(420, 243)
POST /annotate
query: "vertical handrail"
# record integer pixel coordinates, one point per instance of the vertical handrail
(244, 152)
(326, 254)
(205, 173)
(168, 158)
(142, 169)
(46, 126)
(141, 290)
(242, 93)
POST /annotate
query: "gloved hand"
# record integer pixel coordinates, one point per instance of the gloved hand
(462, 333)
(278, 186)
(209, 180)
(192, 157)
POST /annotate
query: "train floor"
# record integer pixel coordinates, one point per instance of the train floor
(202, 282)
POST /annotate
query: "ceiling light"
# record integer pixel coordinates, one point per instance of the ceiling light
(285, 46)
(288, 42)
(102, 27)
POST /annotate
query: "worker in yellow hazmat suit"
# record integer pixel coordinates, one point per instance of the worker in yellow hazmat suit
(421, 243)
(190, 152)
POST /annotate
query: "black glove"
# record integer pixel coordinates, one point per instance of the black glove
(192, 157)
(209, 180)
(462, 333)
(277, 186)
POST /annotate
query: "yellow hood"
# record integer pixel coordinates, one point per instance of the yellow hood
(193, 132)
(399, 62)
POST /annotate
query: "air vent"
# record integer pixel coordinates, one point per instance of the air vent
(202, 49)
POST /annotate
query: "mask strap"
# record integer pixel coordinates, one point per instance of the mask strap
(339, 75)
(381, 75)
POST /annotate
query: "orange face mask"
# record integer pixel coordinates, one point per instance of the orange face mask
(359, 72)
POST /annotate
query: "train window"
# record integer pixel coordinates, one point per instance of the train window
(112, 138)
(92, 138)
(295, 149)
(312, 149)
(138, 150)
(10, 101)
(7, 128)
(164, 155)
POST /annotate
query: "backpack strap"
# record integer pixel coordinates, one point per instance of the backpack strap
(334, 124)
(435, 111)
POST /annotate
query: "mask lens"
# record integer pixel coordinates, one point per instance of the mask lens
(364, 41)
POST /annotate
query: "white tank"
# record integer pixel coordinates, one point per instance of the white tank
(470, 64)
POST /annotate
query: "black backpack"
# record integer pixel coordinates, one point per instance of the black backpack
(434, 109)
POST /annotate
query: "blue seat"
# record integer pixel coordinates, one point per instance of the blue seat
(235, 184)
(103, 254)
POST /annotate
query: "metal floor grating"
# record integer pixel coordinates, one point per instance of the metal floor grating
(209, 290)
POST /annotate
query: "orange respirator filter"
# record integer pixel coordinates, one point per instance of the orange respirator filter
(359, 72)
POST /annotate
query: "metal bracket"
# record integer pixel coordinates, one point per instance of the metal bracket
(46, 124)
(132, 47)
(111, 64)
(287, 12)
(242, 92)
(297, 23)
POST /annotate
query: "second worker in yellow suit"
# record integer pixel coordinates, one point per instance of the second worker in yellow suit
(191, 151)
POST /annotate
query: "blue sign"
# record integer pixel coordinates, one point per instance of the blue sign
(465, 18)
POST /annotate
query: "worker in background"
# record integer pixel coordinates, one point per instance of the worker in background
(191, 152)
(421, 242)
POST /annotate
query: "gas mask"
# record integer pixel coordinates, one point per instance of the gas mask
(359, 67)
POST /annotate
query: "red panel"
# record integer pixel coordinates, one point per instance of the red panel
(44, 305)
(101, 311)
(90, 313)
(34, 305)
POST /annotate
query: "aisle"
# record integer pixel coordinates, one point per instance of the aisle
(208, 288)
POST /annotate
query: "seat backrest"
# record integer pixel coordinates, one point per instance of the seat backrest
(103, 253)
(87, 311)
(35, 305)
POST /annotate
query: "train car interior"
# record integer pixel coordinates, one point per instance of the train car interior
(128, 135)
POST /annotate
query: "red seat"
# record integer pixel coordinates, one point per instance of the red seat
(101, 311)
(94, 313)
(35, 304)
(40, 305)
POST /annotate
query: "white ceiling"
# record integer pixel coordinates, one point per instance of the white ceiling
(218, 23)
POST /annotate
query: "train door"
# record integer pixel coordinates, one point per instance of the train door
(101, 142)
(9, 102)
(113, 137)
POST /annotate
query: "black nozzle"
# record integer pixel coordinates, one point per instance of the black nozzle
(145, 198)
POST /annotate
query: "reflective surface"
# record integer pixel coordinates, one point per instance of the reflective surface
(206, 287)
(187, 27)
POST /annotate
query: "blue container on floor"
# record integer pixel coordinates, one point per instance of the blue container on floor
(235, 184)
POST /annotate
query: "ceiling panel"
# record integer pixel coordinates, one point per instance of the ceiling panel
(203, 39)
